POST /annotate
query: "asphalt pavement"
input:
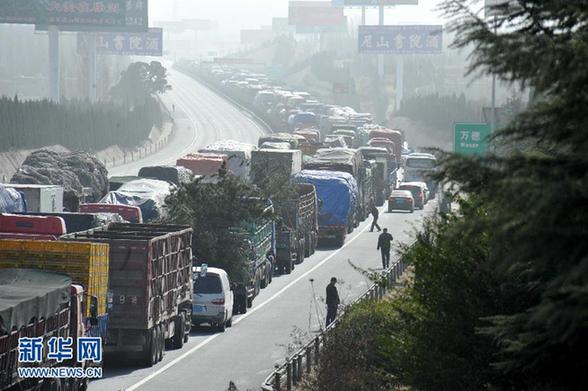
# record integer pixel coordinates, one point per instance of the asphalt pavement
(290, 309)
(202, 117)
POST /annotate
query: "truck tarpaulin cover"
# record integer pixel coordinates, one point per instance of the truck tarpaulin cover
(239, 155)
(148, 194)
(337, 159)
(203, 163)
(11, 201)
(174, 174)
(337, 193)
(72, 170)
(27, 294)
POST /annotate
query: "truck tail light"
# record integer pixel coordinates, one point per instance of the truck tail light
(218, 301)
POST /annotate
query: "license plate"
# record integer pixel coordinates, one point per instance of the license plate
(399, 202)
(198, 308)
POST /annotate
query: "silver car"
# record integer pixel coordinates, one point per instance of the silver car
(212, 300)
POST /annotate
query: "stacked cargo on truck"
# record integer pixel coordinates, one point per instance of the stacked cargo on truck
(86, 263)
(350, 161)
(338, 196)
(238, 153)
(38, 304)
(204, 164)
(150, 280)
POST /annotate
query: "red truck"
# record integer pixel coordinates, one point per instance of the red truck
(150, 280)
(36, 303)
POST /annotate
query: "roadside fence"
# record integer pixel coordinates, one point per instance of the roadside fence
(299, 364)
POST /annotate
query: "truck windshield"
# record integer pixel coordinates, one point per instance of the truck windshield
(209, 284)
(420, 163)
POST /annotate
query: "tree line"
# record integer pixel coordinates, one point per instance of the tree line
(499, 294)
(77, 125)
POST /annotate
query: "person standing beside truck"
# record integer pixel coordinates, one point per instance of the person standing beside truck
(384, 244)
(375, 214)
(332, 301)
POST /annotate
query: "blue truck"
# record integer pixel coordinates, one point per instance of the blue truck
(338, 196)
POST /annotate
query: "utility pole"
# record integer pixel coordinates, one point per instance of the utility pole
(363, 15)
(54, 66)
(493, 116)
(381, 56)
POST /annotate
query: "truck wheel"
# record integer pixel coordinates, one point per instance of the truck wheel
(179, 331)
(249, 302)
(150, 350)
(257, 284)
(301, 251)
(51, 385)
(161, 342)
(221, 326)
(288, 267)
(263, 282)
(340, 240)
(307, 245)
(270, 274)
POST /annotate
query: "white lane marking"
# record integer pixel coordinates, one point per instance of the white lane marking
(249, 313)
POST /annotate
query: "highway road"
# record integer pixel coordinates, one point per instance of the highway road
(201, 117)
(247, 352)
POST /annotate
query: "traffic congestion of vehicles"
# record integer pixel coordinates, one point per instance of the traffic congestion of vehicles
(135, 280)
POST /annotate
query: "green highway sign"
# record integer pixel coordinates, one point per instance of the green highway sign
(471, 139)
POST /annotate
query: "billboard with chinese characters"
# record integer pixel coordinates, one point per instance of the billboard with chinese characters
(413, 39)
(136, 19)
(314, 14)
(471, 139)
(125, 43)
(97, 13)
(373, 3)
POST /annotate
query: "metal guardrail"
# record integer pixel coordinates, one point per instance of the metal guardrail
(291, 372)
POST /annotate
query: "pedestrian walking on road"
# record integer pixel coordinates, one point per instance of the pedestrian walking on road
(332, 301)
(375, 213)
(384, 244)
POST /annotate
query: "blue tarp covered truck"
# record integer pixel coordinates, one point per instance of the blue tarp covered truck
(337, 197)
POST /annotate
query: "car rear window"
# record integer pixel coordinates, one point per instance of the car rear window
(209, 284)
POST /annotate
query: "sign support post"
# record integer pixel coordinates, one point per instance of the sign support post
(92, 79)
(381, 56)
(54, 66)
(399, 80)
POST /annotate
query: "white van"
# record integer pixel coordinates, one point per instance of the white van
(212, 300)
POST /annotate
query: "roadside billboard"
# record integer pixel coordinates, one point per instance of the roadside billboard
(372, 3)
(136, 19)
(314, 14)
(96, 13)
(410, 39)
(127, 43)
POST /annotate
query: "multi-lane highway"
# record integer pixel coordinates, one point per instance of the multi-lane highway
(201, 117)
(247, 352)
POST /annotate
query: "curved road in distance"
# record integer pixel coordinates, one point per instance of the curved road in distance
(202, 117)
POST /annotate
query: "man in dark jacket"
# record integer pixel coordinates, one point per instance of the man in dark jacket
(332, 301)
(384, 243)
(375, 213)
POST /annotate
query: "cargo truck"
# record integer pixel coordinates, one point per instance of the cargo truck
(338, 196)
(380, 171)
(150, 282)
(33, 304)
(350, 161)
(393, 135)
(85, 263)
(297, 229)
(259, 238)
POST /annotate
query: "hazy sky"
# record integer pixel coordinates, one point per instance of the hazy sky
(238, 14)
